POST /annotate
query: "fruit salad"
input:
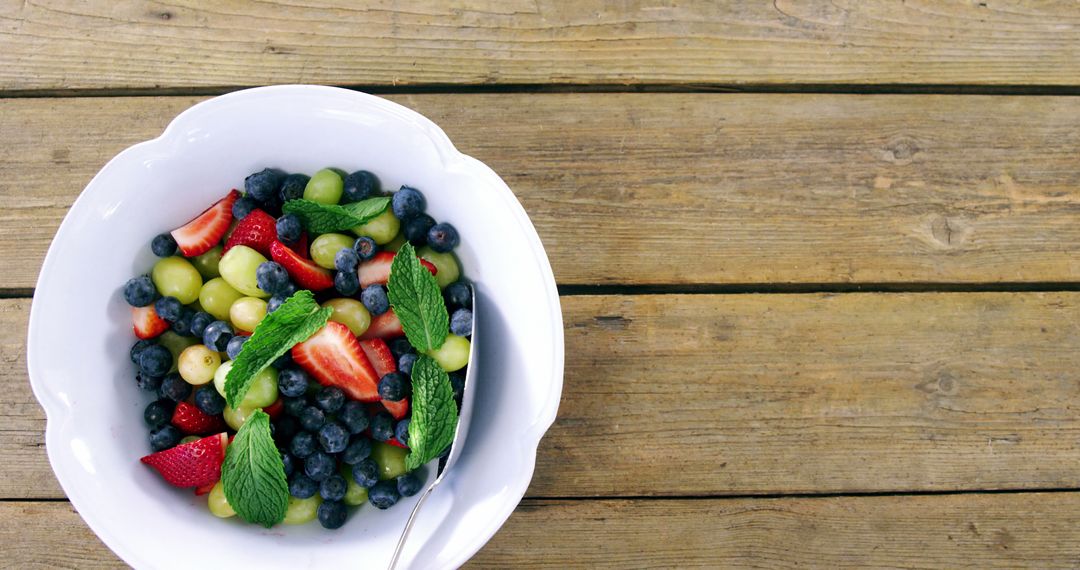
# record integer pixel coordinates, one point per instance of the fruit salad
(303, 345)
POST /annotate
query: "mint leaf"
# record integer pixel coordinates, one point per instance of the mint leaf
(253, 474)
(418, 303)
(293, 322)
(324, 218)
(434, 413)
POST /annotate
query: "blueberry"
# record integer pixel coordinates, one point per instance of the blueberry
(271, 277)
(332, 514)
(400, 346)
(158, 413)
(354, 417)
(333, 438)
(416, 229)
(288, 462)
(346, 260)
(312, 418)
(292, 187)
(375, 300)
(138, 347)
(163, 245)
(382, 426)
(333, 488)
(236, 344)
(461, 322)
(384, 494)
(139, 291)
(217, 335)
(407, 203)
(346, 282)
(443, 237)
(457, 382)
(292, 382)
(274, 302)
(263, 185)
(330, 399)
(394, 387)
(155, 360)
(286, 428)
(199, 322)
(366, 472)
(209, 401)
(164, 437)
(319, 466)
(242, 207)
(147, 382)
(174, 388)
(182, 324)
(289, 228)
(358, 450)
(302, 486)
(408, 484)
(294, 406)
(302, 444)
(365, 248)
(458, 294)
(283, 361)
(405, 363)
(401, 431)
(359, 185)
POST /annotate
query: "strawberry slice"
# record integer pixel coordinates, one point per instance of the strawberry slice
(146, 322)
(301, 246)
(384, 326)
(303, 271)
(377, 269)
(394, 442)
(257, 230)
(204, 232)
(193, 421)
(333, 357)
(274, 410)
(191, 464)
(379, 355)
(398, 409)
(204, 489)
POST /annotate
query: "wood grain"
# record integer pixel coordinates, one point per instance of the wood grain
(686, 189)
(954, 531)
(767, 394)
(66, 44)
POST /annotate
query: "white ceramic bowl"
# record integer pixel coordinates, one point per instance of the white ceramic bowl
(80, 331)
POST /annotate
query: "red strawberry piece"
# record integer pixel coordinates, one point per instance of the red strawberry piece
(191, 464)
(301, 246)
(379, 355)
(398, 409)
(257, 230)
(193, 421)
(204, 232)
(377, 269)
(303, 271)
(146, 322)
(204, 489)
(394, 442)
(384, 326)
(274, 410)
(334, 358)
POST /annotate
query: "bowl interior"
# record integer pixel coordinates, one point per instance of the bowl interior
(80, 332)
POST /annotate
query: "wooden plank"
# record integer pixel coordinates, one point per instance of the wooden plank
(768, 394)
(686, 188)
(64, 44)
(1038, 530)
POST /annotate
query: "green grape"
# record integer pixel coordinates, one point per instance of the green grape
(263, 390)
(177, 277)
(453, 354)
(326, 246)
(207, 263)
(247, 312)
(176, 345)
(446, 263)
(324, 187)
(302, 511)
(238, 268)
(220, 374)
(396, 243)
(355, 495)
(351, 313)
(391, 460)
(383, 228)
(236, 418)
(217, 297)
(219, 506)
(198, 364)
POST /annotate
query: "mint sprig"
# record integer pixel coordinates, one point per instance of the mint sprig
(417, 301)
(253, 475)
(434, 413)
(323, 218)
(293, 322)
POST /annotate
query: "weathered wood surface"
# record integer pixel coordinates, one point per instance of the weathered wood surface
(766, 394)
(686, 188)
(65, 44)
(959, 531)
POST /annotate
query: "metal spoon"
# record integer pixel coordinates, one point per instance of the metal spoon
(455, 447)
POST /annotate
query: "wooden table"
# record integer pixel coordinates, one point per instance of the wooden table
(820, 261)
